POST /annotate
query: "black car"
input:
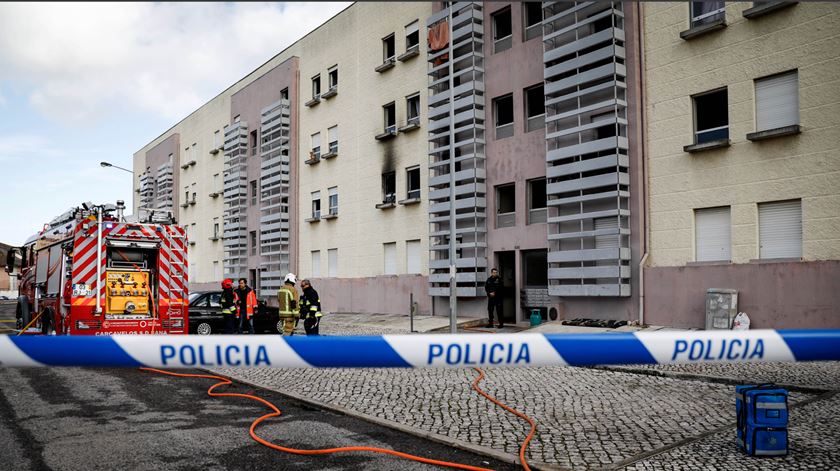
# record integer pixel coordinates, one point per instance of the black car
(206, 315)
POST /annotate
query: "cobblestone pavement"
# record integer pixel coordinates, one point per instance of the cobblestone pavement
(587, 418)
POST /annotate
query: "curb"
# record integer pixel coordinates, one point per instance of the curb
(454, 443)
(478, 321)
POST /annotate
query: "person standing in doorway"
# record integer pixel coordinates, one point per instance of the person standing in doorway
(310, 308)
(246, 304)
(493, 288)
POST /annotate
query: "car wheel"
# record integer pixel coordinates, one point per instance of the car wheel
(280, 326)
(203, 329)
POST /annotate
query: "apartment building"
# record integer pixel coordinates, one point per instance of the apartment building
(363, 159)
(742, 107)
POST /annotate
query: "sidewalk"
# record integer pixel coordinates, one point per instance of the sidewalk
(587, 418)
(379, 323)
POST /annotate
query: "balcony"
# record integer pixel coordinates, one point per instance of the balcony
(389, 132)
(388, 64)
(333, 151)
(505, 220)
(314, 101)
(333, 91)
(316, 217)
(409, 53)
(412, 124)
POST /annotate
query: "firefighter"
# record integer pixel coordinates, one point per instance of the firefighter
(310, 308)
(228, 303)
(246, 305)
(288, 300)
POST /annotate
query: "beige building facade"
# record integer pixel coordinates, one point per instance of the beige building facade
(743, 127)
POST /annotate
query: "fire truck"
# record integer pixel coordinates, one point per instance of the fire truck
(91, 271)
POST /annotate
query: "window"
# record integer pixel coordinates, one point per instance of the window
(535, 268)
(534, 108)
(412, 256)
(316, 205)
(254, 142)
(186, 154)
(777, 101)
(215, 228)
(332, 134)
(316, 146)
(503, 109)
(390, 115)
(390, 250)
(316, 86)
(284, 94)
(332, 262)
(712, 234)
(253, 237)
(333, 200)
(216, 141)
(703, 13)
(217, 270)
(412, 36)
(412, 109)
(253, 192)
(236, 119)
(316, 263)
(506, 205)
(215, 298)
(388, 48)
(537, 207)
(780, 229)
(216, 185)
(412, 179)
(389, 187)
(194, 150)
(711, 117)
(333, 76)
(193, 198)
(532, 15)
(502, 30)
(186, 194)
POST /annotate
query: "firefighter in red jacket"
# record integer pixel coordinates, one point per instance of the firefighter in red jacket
(246, 304)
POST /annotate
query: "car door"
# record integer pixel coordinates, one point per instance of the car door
(214, 311)
(198, 311)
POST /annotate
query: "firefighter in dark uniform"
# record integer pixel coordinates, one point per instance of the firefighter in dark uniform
(493, 288)
(310, 308)
(228, 304)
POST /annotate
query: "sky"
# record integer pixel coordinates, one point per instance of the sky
(82, 83)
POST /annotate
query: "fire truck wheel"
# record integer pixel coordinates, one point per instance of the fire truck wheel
(203, 329)
(23, 315)
(280, 326)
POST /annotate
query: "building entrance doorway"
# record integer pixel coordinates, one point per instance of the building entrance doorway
(506, 263)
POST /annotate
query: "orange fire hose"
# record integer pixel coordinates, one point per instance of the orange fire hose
(276, 412)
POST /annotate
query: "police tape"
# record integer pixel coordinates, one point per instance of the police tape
(427, 350)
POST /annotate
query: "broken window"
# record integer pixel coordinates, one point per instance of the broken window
(711, 116)
(389, 187)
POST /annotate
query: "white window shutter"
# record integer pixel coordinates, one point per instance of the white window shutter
(777, 101)
(391, 258)
(316, 140)
(316, 263)
(412, 256)
(332, 260)
(333, 133)
(606, 241)
(780, 229)
(412, 28)
(712, 234)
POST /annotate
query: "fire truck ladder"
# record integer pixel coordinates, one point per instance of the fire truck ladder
(178, 269)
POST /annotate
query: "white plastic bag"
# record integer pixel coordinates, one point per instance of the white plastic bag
(741, 322)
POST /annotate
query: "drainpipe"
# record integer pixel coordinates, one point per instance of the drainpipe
(645, 218)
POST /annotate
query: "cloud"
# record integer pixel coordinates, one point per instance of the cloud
(86, 62)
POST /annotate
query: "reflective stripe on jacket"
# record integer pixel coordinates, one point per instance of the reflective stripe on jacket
(310, 303)
(288, 301)
(250, 302)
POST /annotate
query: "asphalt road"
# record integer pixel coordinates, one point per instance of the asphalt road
(7, 316)
(86, 419)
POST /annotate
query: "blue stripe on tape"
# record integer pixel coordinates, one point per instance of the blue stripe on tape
(813, 345)
(600, 349)
(75, 351)
(341, 352)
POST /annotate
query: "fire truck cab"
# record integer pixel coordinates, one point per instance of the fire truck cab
(92, 272)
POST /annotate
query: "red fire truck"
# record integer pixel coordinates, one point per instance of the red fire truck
(92, 272)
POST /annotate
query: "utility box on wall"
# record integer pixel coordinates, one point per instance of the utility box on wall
(721, 308)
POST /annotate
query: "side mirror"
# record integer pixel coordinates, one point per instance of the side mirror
(10, 261)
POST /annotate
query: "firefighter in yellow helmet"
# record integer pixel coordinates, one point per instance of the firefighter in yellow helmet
(289, 301)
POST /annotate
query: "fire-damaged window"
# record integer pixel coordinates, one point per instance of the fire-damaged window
(389, 187)
(711, 116)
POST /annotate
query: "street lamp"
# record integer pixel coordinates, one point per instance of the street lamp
(106, 164)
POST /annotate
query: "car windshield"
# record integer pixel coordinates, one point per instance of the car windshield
(194, 296)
